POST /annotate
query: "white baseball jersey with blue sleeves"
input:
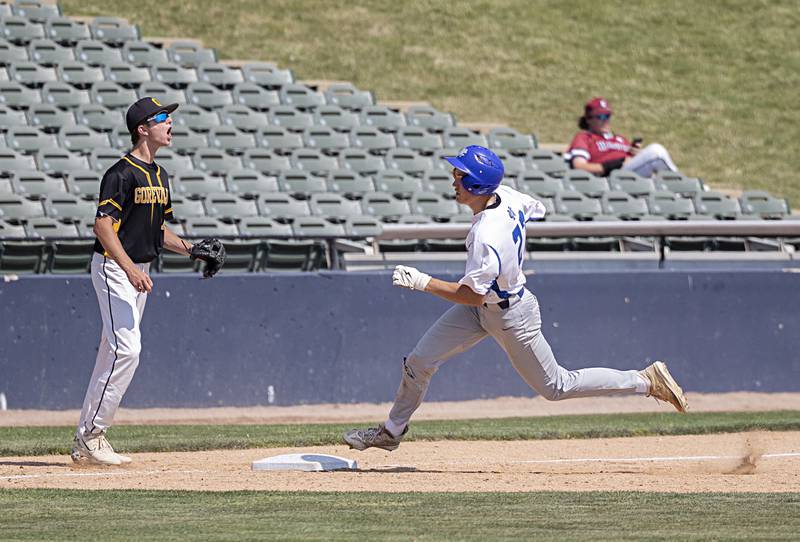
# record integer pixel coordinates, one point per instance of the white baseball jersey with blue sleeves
(496, 245)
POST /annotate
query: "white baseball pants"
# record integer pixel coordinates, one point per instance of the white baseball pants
(650, 159)
(121, 309)
(518, 331)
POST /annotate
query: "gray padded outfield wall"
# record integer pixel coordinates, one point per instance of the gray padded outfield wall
(285, 339)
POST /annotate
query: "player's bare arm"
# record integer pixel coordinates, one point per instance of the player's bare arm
(104, 230)
(454, 292)
(173, 243)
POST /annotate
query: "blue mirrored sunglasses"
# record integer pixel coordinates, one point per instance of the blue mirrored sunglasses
(603, 116)
(158, 118)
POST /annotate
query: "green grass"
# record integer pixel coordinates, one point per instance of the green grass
(715, 82)
(128, 515)
(20, 441)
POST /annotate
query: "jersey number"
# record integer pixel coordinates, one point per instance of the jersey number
(517, 234)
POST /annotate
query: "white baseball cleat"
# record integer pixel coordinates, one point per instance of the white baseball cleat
(664, 387)
(96, 450)
(373, 437)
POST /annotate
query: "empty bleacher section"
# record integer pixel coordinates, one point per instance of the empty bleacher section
(284, 167)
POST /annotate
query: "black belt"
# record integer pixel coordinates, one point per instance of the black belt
(504, 304)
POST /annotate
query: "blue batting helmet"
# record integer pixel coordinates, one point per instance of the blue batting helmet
(484, 169)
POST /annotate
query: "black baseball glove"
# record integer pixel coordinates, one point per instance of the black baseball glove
(211, 251)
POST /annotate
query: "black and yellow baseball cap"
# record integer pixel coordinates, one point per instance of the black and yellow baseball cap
(143, 109)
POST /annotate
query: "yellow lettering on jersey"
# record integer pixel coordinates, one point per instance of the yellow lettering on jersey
(150, 195)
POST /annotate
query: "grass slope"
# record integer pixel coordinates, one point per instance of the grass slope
(22, 441)
(122, 515)
(714, 82)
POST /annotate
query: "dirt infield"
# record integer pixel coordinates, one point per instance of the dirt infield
(757, 462)
(364, 412)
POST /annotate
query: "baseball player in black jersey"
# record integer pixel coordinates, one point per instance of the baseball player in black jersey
(131, 231)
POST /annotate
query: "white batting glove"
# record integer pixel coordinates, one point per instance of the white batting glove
(410, 277)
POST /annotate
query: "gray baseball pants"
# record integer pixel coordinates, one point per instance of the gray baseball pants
(650, 159)
(518, 331)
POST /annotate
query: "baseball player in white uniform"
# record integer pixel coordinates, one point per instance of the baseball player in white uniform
(491, 299)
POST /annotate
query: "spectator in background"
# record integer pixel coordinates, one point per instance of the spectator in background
(599, 151)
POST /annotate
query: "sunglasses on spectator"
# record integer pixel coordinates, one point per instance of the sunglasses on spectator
(158, 118)
(603, 116)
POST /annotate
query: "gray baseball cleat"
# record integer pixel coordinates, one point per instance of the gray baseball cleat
(373, 437)
(664, 387)
(96, 450)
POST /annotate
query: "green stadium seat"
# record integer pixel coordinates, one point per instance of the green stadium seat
(510, 181)
(371, 140)
(31, 74)
(429, 118)
(28, 140)
(585, 183)
(279, 140)
(325, 139)
(198, 227)
(207, 96)
(363, 226)
(112, 95)
(66, 30)
(347, 96)
(46, 227)
(5, 186)
(241, 255)
(79, 75)
(96, 53)
(173, 75)
(439, 162)
(190, 54)
(186, 141)
(313, 161)
(254, 96)
(548, 162)
(63, 95)
(11, 162)
(49, 53)
(230, 206)
(458, 137)
(418, 140)
(281, 206)
(333, 207)
(301, 183)
(384, 206)
(142, 53)
(17, 95)
(438, 181)
(349, 183)
(408, 161)
(678, 183)
(10, 53)
(513, 165)
(630, 182)
(35, 184)
(9, 230)
(184, 208)
(511, 141)
(120, 138)
(195, 118)
(100, 159)
(722, 206)
(59, 162)
(219, 75)
(162, 93)
(84, 183)
(763, 204)
(3, 74)
(623, 205)
(70, 257)
(20, 30)
(249, 182)
(312, 226)
(98, 117)
(670, 205)
(35, 10)
(338, 118)
(18, 208)
(215, 161)
(550, 244)
(259, 226)
(361, 162)
(230, 140)
(397, 183)
(196, 184)
(113, 30)
(382, 118)
(242, 118)
(174, 163)
(291, 255)
(265, 161)
(433, 205)
(49, 118)
(291, 118)
(266, 74)
(21, 257)
(577, 205)
(538, 183)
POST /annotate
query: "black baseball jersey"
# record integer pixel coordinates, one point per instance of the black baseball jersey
(136, 195)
